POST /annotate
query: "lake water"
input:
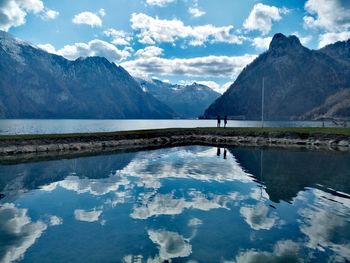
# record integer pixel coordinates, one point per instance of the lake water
(184, 204)
(74, 126)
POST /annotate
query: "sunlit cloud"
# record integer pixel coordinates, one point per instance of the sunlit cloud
(119, 37)
(160, 3)
(13, 13)
(259, 217)
(283, 251)
(154, 30)
(87, 216)
(18, 227)
(95, 47)
(211, 66)
(171, 244)
(89, 18)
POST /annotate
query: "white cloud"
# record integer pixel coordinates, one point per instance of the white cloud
(119, 37)
(262, 16)
(196, 12)
(194, 222)
(329, 38)
(214, 66)
(17, 227)
(160, 3)
(331, 15)
(258, 217)
(155, 30)
(169, 205)
(171, 244)
(91, 186)
(13, 12)
(87, 216)
(283, 251)
(48, 48)
(55, 221)
(261, 43)
(95, 47)
(323, 222)
(303, 39)
(88, 18)
(225, 87)
(49, 14)
(149, 52)
(101, 12)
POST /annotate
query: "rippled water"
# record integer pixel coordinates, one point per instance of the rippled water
(185, 204)
(74, 126)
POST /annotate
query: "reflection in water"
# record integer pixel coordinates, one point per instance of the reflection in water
(259, 217)
(285, 251)
(18, 232)
(179, 205)
(171, 244)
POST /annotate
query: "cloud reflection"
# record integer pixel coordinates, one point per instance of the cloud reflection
(17, 232)
(171, 244)
(168, 204)
(283, 252)
(326, 224)
(87, 216)
(193, 163)
(258, 217)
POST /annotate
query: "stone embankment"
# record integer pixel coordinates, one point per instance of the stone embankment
(12, 145)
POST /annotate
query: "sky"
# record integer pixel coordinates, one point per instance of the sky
(177, 41)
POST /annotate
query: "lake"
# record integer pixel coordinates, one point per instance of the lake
(183, 204)
(27, 126)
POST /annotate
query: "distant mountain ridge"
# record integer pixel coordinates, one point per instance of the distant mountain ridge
(36, 84)
(299, 83)
(187, 101)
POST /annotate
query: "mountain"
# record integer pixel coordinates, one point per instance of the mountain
(36, 84)
(339, 50)
(187, 101)
(299, 83)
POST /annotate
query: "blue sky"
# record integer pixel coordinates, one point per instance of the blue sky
(181, 41)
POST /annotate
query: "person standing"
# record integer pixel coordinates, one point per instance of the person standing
(219, 121)
(225, 121)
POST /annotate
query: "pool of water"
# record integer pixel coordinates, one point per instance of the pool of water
(75, 126)
(183, 204)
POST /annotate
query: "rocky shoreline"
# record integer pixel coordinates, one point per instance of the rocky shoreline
(14, 145)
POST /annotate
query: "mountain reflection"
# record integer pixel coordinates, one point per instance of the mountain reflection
(285, 173)
(184, 204)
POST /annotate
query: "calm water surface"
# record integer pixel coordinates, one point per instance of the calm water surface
(185, 204)
(73, 126)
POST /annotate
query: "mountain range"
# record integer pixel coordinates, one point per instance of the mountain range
(299, 83)
(187, 101)
(36, 84)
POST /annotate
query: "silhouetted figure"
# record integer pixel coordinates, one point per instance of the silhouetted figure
(218, 152)
(219, 121)
(225, 154)
(225, 121)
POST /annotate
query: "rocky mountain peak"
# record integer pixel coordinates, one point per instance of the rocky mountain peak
(281, 44)
(299, 83)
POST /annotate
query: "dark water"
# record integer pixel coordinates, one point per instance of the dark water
(185, 204)
(74, 126)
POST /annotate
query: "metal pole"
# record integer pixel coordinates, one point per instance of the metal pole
(261, 171)
(262, 102)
